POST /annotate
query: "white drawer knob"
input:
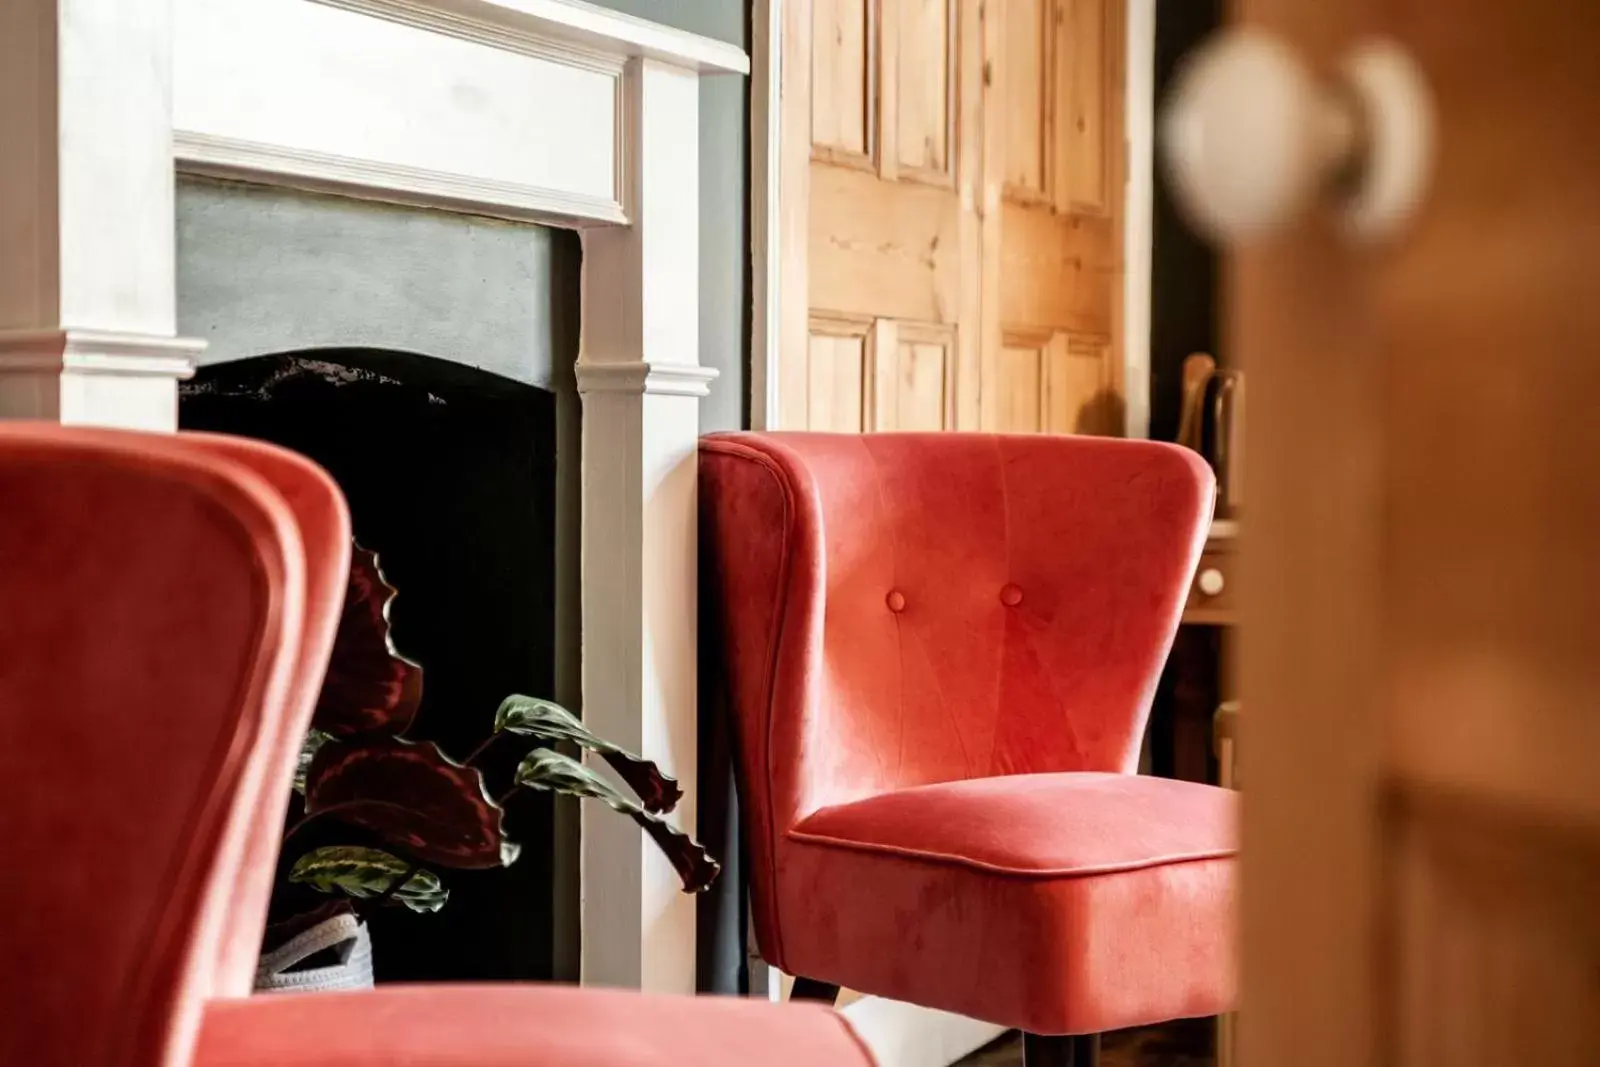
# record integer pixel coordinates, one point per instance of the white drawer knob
(1210, 581)
(1251, 137)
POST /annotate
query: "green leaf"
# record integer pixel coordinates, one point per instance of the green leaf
(365, 873)
(547, 770)
(315, 739)
(549, 721)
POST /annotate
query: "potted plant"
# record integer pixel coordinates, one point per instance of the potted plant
(410, 809)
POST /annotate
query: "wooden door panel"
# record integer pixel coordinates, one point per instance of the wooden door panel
(1053, 383)
(841, 80)
(892, 246)
(1086, 132)
(1060, 233)
(961, 185)
(1058, 271)
(1019, 385)
(836, 373)
(881, 248)
(915, 364)
(1028, 109)
(921, 106)
(1076, 383)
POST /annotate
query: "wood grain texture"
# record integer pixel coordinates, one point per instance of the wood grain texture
(1076, 381)
(835, 380)
(1057, 271)
(840, 72)
(1026, 107)
(1019, 385)
(1059, 266)
(914, 367)
(839, 375)
(1497, 937)
(952, 207)
(1419, 575)
(1086, 85)
(883, 248)
(926, 48)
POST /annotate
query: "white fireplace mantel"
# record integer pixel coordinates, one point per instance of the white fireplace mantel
(553, 111)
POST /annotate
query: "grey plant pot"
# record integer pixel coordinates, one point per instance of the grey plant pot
(344, 933)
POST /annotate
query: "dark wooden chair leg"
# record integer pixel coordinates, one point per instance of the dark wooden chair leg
(811, 989)
(1080, 1050)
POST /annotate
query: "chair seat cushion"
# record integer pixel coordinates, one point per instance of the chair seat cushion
(1056, 903)
(509, 1025)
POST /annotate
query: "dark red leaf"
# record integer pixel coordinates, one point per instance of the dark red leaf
(413, 796)
(370, 688)
(696, 869)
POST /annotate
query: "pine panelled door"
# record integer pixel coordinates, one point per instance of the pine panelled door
(952, 213)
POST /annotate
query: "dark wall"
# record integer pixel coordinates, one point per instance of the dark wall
(1183, 271)
(1184, 304)
(450, 477)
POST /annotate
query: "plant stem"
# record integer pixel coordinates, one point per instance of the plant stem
(481, 749)
(395, 886)
(503, 797)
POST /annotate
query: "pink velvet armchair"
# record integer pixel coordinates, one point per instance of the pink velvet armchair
(167, 605)
(940, 653)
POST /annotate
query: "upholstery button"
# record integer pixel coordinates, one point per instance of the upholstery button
(896, 600)
(1010, 595)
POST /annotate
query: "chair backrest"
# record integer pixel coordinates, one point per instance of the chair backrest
(902, 609)
(152, 599)
(324, 522)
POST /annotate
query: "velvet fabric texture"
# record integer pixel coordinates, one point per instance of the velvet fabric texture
(522, 1026)
(940, 652)
(167, 605)
(152, 602)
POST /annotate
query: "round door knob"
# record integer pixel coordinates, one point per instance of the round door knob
(1210, 581)
(1251, 137)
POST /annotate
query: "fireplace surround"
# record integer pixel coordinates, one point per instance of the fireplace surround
(551, 111)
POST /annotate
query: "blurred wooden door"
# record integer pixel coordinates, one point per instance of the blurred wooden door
(951, 202)
(1421, 656)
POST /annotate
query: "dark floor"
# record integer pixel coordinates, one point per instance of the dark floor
(1185, 1043)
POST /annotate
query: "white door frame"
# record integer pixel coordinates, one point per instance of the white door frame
(772, 191)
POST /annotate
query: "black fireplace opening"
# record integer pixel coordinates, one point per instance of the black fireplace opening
(450, 474)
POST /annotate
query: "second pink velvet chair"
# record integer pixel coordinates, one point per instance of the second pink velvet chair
(940, 652)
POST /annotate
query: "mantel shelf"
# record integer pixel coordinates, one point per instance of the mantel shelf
(572, 22)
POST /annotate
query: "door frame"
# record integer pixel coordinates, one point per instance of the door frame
(778, 209)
